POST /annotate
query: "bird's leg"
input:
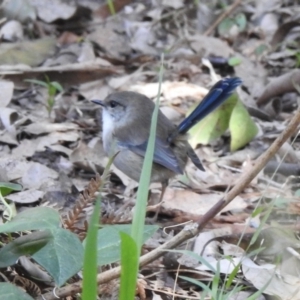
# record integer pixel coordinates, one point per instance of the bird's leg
(156, 207)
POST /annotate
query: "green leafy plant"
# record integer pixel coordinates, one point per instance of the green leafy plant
(44, 243)
(5, 189)
(220, 288)
(234, 61)
(297, 56)
(239, 21)
(134, 243)
(53, 87)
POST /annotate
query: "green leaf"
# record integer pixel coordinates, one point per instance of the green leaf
(62, 257)
(111, 7)
(57, 86)
(241, 126)
(50, 103)
(129, 265)
(145, 178)
(8, 187)
(234, 61)
(37, 218)
(259, 50)
(9, 291)
(89, 289)
(225, 26)
(198, 283)
(214, 125)
(24, 245)
(51, 91)
(241, 21)
(90, 253)
(108, 249)
(38, 82)
(257, 211)
(233, 274)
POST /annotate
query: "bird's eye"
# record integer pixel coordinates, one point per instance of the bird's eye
(113, 104)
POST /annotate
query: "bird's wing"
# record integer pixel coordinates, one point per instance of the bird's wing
(163, 154)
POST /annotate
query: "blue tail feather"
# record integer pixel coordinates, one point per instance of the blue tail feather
(215, 97)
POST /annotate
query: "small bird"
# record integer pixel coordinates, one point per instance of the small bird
(126, 120)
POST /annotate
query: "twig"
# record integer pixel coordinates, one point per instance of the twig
(222, 17)
(185, 234)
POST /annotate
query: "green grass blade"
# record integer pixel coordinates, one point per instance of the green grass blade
(129, 263)
(90, 266)
(89, 286)
(111, 7)
(142, 194)
(202, 285)
(141, 203)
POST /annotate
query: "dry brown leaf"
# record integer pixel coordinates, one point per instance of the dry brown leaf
(210, 46)
(12, 31)
(171, 90)
(29, 196)
(50, 11)
(273, 281)
(41, 128)
(191, 202)
(7, 88)
(31, 53)
(37, 175)
(12, 169)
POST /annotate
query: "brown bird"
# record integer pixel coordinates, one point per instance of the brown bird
(126, 129)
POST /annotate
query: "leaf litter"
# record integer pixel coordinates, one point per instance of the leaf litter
(92, 53)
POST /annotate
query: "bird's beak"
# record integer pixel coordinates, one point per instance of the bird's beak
(99, 102)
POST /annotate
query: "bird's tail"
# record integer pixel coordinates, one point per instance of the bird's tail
(215, 97)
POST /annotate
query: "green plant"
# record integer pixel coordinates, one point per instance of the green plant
(5, 189)
(135, 242)
(52, 87)
(111, 7)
